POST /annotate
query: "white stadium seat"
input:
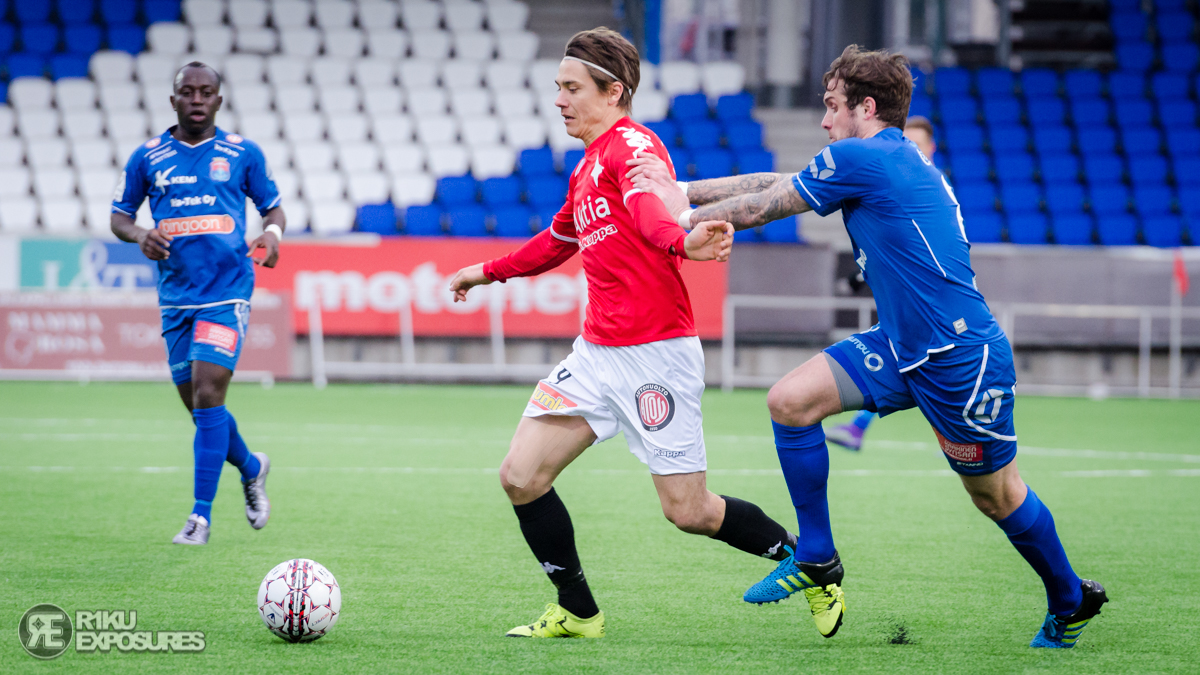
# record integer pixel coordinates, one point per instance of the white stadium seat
(62, 216)
(46, 154)
(297, 215)
(90, 154)
(8, 121)
(527, 132)
(350, 128)
(312, 156)
(288, 184)
(168, 38)
(75, 93)
(14, 182)
(204, 12)
(542, 74)
(116, 96)
(212, 39)
(252, 97)
(461, 74)
(248, 13)
(386, 43)
(514, 103)
(439, 130)
(82, 125)
(561, 141)
(503, 17)
(156, 98)
(679, 77)
(295, 98)
(30, 93)
(129, 125)
(368, 187)
(425, 102)
(474, 46)
(244, 69)
(723, 77)
(506, 75)
(383, 100)
(430, 45)
(358, 157)
(301, 41)
(256, 40)
(378, 13)
(334, 14)
(394, 128)
(253, 221)
(403, 158)
(331, 72)
(448, 160)
(339, 100)
(346, 43)
(420, 15)
(418, 74)
(517, 45)
(290, 13)
(111, 66)
(214, 59)
(374, 72)
(492, 161)
(12, 151)
(95, 184)
(157, 68)
(463, 15)
(98, 217)
(470, 102)
(230, 120)
(480, 131)
(124, 147)
(283, 70)
(260, 126)
(161, 120)
(650, 106)
(54, 183)
(278, 154)
(37, 125)
(18, 214)
(412, 189)
(649, 76)
(333, 217)
(322, 185)
(303, 127)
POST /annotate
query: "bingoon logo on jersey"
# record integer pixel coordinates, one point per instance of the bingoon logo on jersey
(827, 158)
(185, 227)
(655, 406)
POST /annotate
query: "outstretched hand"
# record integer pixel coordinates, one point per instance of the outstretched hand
(269, 241)
(710, 240)
(155, 244)
(651, 174)
(466, 279)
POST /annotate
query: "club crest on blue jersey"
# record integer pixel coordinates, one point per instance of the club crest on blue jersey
(218, 169)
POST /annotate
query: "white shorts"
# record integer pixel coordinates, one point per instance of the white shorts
(650, 391)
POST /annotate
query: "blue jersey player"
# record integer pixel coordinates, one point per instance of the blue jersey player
(197, 178)
(936, 347)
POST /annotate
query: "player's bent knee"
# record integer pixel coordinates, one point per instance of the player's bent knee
(788, 407)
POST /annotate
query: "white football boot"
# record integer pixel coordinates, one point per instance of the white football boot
(194, 532)
(258, 507)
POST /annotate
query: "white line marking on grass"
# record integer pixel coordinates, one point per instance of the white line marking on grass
(460, 471)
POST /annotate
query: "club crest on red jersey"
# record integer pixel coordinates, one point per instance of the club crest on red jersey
(218, 169)
(655, 406)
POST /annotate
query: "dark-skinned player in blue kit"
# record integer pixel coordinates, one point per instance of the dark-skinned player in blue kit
(197, 178)
(936, 347)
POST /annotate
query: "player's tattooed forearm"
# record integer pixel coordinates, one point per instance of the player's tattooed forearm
(751, 210)
(716, 189)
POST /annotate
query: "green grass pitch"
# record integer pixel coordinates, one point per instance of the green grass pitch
(393, 488)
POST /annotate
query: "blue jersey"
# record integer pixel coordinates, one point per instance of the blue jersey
(198, 195)
(909, 241)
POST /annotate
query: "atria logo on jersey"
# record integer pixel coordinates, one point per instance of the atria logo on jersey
(655, 405)
(184, 227)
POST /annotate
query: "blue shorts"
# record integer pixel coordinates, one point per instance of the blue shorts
(966, 393)
(211, 334)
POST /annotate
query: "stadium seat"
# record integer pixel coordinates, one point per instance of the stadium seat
(679, 77)
(492, 161)
(1128, 26)
(1187, 173)
(783, 231)
(161, 10)
(313, 156)
(456, 190)
(81, 125)
(1047, 111)
(377, 218)
(479, 46)
(1008, 139)
(1126, 84)
(168, 38)
(1020, 197)
(332, 217)
(536, 161)
(1118, 229)
(650, 106)
(334, 14)
(689, 107)
(118, 11)
(519, 45)
(712, 163)
(412, 189)
(1052, 140)
(1090, 111)
(952, 82)
(1064, 198)
(1083, 83)
(1168, 85)
(501, 191)
(964, 138)
(301, 42)
(545, 191)
(467, 221)
(983, 227)
(1096, 140)
(1182, 57)
(1012, 168)
(1107, 199)
(357, 156)
(386, 42)
(82, 39)
(248, 14)
(1177, 113)
(746, 134)
(920, 80)
(1072, 229)
(666, 130)
(1164, 230)
(1103, 168)
(751, 235)
(321, 185)
(507, 16)
(18, 215)
(1135, 56)
(700, 135)
(976, 197)
(754, 161)
(1027, 228)
(1001, 110)
(425, 220)
(25, 65)
(1153, 199)
(512, 221)
(383, 101)
(1189, 204)
(722, 78)
(543, 218)
(1183, 142)
(1141, 141)
(127, 38)
(1174, 25)
(283, 71)
(994, 82)
(733, 106)
(436, 130)
(921, 105)
(30, 93)
(303, 127)
(1133, 112)
(970, 167)
(420, 16)
(1148, 170)
(1039, 83)
(682, 161)
(519, 103)
(571, 158)
(957, 109)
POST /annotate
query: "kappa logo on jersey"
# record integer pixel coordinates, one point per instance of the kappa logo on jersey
(636, 139)
(548, 398)
(185, 227)
(221, 337)
(153, 142)
(218, 169)
(960, 452)
(826, 157)
(655, 406)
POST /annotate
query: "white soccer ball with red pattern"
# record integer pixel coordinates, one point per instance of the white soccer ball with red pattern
(299, 600)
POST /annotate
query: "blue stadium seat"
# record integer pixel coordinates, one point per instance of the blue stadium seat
(1027, 228)
(976, 197)
(1015, 167)
(1159, 5)
(32, 11)
(970, 167)
(713, 163)
(983, 227)
(161, 10)
(1167, 85)
(744, 135)
(957, 109)
(1096, 140)
(536, 161)
(666, 130)
(1127, 5)
(920, 80)
(118, 11)
(572, 158)
(1064, 198)
(1187, 174)
(82, 38)
(952, 81)
(1118, 229)
(68, 65)
(753, 235)
(1123, 84)
(377, 218)
(700, 134)
(1128, 26)
(126, 38)
(468, 220)
(423, 220)
(1153, 200)
(1083, 82)
(1189, 203)
(543, 218)
(732, 107)
(1020, 197)
(920, 105)
(1058, 168)
(8, 37)
(1050, 110)
(1104, 168)
(1088, 111)
(1181, 58)
(39, 38)
(1164, 231)
(754, 161)
(25, 64)
(1177, 112)
(1002, 110)
(1072, 230)
(544, 192)
(1183, 142)
(1039, 83)
(1174, 26)
(688, 107)
(964, 138)
(513, 221)
(3, 92)
(994, 82)
(456, 190)
(1009, 138)
(1141, 141)
(1108, 198)
(682, 161)
(1148, 170)
(75, 11)
(501, 191)
(782, 231)
(1135, 55)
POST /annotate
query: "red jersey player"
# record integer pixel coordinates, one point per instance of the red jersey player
(639, 366)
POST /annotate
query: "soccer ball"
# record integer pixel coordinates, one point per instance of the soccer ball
(299, 600)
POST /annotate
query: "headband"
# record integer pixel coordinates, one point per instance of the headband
(589, 63)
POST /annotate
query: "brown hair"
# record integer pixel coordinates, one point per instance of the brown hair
(883, 76)
(920, 122)
(611, 51)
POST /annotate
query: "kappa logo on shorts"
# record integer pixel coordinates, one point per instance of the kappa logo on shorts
(655, 406)
(960, 452)
(548, 398)
(221, 337)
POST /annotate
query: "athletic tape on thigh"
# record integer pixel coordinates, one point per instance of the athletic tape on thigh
(851, 389)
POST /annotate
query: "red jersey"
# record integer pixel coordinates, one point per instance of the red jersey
(631, 247)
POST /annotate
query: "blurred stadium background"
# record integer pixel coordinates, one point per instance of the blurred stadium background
(410, 138)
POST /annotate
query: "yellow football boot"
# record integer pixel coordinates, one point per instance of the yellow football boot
(557, 622)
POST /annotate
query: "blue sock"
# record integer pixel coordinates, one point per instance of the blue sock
(210, 448)
(1031, 530)
(239, 455)
(805, 462)
(863, 419)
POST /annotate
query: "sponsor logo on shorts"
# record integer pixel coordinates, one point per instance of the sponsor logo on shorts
(548, 398)
(224, 338)
(872, 361)
(960, 452)
(655, 406)
(185, 227)
(669, 454)
(218, 169)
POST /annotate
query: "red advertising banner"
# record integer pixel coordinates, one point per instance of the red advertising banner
(362, 284)
(121, 334)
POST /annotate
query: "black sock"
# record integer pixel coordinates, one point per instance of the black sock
(748, 529)
(547, 529)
